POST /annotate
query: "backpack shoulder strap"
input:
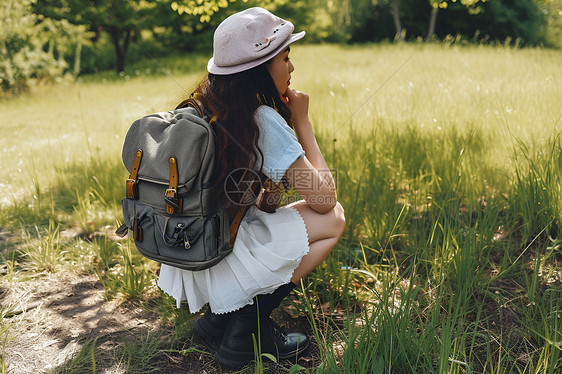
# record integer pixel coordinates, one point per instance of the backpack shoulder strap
(193, 103)
(241, 211)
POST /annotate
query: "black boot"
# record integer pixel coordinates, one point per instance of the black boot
(237, 346)
(212, 326)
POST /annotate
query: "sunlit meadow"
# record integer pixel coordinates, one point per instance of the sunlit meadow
(449, 166)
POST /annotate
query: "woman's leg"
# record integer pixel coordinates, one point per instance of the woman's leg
(237, 347)
(324, 231)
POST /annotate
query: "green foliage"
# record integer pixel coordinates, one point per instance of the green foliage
(206, 9)
(491, 20)
(134, 30)
(552, 9)
(22, 42)
(122, 20)
(199, 8)
(521, 19)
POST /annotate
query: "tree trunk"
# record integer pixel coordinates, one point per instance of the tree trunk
(432, 21)
(396, 16)
(120, 49)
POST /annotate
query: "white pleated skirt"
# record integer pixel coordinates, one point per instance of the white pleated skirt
(267, 250)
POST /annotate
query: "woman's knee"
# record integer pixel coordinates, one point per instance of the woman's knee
(337, 226)
(339, 218)
(322, 225)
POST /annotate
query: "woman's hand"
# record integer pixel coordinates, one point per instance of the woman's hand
(298, 104)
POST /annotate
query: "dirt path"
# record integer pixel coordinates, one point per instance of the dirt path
(53, 315)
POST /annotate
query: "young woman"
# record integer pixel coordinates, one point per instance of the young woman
(256, 115)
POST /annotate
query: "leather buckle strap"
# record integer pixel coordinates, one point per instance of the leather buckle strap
(132, 182)
(173, 202)
(235, 224)
(256, 186)
(132, 189)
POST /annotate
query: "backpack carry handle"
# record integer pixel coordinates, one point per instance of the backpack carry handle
(191, 101)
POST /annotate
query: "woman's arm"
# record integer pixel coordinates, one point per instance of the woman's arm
(309, 175)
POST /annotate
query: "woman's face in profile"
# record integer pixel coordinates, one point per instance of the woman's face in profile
(280, 69)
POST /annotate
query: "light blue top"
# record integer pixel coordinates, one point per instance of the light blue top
(277, 142)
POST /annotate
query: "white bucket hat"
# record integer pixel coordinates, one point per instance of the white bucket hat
(249, 38)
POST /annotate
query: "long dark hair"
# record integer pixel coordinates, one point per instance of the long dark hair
(232, 100)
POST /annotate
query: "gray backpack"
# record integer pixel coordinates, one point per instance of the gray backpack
(171, 206)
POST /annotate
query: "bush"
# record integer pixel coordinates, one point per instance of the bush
(32, 46)
(22, 48)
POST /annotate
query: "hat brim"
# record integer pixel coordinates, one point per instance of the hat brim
(226, 70)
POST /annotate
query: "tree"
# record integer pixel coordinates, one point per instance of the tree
(471, 5)
(206, 9)
(396, 17)
(122, 19)
(517, 20)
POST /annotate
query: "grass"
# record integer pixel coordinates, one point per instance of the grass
(45, 253)
(449, 167)
(136, 356)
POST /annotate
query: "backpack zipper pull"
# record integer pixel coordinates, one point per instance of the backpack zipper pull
(122, 230)
(186, 243)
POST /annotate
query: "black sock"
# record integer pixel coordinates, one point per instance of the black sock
(267, 303)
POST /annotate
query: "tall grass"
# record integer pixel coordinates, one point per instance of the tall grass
(449, 166)
(45, 253)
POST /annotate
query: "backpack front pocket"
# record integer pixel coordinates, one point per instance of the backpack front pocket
(180, 237)
(191, 243)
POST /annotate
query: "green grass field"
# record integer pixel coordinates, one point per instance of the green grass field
(449, 167)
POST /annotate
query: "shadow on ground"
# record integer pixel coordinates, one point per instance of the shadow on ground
(56, 318)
